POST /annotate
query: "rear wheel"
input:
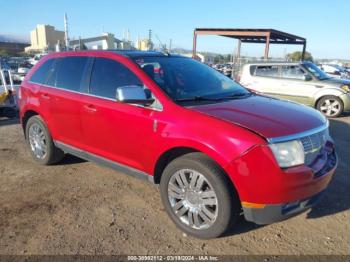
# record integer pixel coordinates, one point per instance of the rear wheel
(198, 197)
(40, 142)
(330, 106)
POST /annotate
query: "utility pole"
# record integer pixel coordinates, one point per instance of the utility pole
(170, 42)
(66, 31)
(149, 39)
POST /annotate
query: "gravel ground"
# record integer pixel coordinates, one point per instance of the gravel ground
(78, 207)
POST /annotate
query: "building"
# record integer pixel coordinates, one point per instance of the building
(204, 58)
(45, 38)
(144, 45)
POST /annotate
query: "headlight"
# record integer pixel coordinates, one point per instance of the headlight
(289, 153)
(345, 88)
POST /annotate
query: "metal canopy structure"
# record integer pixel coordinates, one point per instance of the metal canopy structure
(257, 36)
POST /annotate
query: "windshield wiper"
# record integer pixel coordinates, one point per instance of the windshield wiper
(237, 95)
(197, 98)
(205, 98)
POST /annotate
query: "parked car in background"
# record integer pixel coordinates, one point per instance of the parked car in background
(36, 58)
(216, 149)
(301, 82)
(334, 70)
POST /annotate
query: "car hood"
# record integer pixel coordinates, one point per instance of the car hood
(269, 117)
(339, 81)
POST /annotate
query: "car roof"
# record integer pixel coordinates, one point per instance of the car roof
(274, 63)
(126, 53)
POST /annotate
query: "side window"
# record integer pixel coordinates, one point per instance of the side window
(292, 72)
(107, 75)
(41, 74)
(271, 71)
(252, 69)
(68, 72)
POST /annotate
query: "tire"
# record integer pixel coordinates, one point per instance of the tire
(36, 130)
(330, 106)
(226, 207)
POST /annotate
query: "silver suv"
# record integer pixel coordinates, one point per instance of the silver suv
(301, 82)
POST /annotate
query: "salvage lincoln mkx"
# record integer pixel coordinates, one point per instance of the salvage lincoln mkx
(215, 148)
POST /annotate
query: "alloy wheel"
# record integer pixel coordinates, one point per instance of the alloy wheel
(330, 107)
(37, 141)
(193, 199)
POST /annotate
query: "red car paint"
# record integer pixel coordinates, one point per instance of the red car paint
(231, 133)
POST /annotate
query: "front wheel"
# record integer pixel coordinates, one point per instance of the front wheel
(198, 196)
(330, 106)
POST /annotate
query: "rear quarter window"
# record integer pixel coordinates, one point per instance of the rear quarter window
(252, 70)
(41, 74)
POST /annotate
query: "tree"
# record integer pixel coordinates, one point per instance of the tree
(296, 56)
(4, 52)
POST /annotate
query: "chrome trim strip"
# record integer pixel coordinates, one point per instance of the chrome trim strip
(104, 161)
(101, 97)
(298, 135)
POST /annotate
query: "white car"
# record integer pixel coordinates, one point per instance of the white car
(335, 71)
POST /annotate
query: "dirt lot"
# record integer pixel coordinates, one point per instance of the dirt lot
(78, 207)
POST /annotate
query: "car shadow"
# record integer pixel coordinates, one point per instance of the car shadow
(242, 226)
(4, 121)
(71, 160)
(337, 197)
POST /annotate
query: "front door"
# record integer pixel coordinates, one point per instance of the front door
(294, 85)
(117, 131)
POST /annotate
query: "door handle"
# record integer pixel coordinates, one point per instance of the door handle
(90, 108)
(45, 96)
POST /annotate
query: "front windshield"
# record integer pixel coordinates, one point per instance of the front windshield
(183, 78)
(315, 71)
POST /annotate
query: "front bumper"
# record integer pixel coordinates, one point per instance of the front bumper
(271, 194)
(346, 101)
(274, 213)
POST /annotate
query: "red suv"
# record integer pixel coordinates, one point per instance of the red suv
(215, 148)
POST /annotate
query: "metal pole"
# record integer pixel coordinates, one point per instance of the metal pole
(239, 49)
(66, 31)
(304, 50)
(194, 44)
(267, 46)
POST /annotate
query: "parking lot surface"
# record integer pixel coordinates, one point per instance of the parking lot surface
(78, 207)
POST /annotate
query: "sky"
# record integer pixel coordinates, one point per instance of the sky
(324, 23)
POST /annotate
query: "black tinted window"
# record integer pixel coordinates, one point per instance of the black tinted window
(41, 74)
(108, 75)
(68, 72)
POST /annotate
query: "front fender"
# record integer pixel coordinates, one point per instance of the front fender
(328, 92)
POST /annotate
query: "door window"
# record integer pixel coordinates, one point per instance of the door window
(68, 72)
(270, 71)
(107, 75)
(292, 72)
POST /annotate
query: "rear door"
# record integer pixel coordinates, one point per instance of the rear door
(113, 130)
(266, 79)
(62, 93)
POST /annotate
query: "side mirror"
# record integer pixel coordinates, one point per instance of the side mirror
(134, 95)
(307, 77)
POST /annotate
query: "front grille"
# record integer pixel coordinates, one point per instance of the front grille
(313, 144)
